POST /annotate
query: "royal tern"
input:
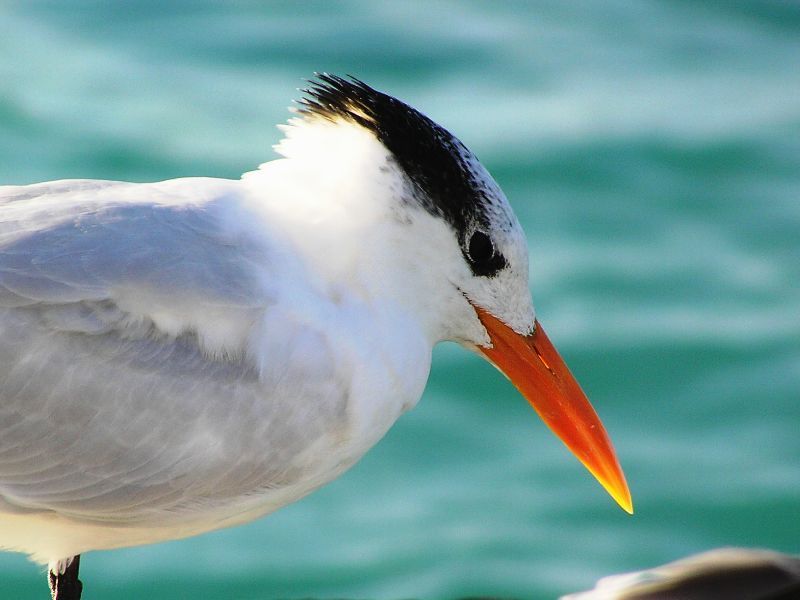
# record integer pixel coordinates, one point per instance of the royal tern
(186, 355)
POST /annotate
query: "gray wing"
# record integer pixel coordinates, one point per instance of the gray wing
(76, 244)
(112, 407)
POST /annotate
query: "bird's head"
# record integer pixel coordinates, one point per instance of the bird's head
(457, 237)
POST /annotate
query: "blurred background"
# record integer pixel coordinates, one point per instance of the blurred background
(652, 152)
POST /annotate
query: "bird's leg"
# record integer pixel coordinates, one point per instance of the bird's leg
(63, 578)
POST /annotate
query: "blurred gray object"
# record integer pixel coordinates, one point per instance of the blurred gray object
(724, 573)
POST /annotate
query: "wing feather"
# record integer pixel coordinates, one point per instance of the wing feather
(126, 392)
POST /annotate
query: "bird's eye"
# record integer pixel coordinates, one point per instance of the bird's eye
(481, 248)
(483, 258)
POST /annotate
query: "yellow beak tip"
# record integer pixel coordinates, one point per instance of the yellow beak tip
(624, 500)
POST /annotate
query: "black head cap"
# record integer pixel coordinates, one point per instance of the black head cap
(434, 160)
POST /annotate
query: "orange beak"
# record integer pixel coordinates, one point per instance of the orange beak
(540, 374)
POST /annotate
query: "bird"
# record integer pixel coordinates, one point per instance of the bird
(186, 355)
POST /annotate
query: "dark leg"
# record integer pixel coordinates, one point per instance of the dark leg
(66, 585)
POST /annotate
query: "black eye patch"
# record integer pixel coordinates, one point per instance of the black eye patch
(483, 258)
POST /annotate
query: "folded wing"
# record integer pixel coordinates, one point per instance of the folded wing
(126, 387)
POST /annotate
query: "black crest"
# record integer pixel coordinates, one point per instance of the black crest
(433, 159)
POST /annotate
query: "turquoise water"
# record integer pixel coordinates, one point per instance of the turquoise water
(652, 152)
